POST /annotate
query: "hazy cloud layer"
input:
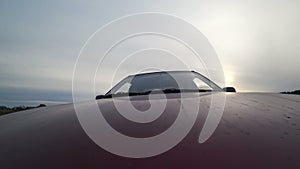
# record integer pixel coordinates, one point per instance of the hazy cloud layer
(258, 42)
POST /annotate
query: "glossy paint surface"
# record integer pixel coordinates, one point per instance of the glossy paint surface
(256, 131)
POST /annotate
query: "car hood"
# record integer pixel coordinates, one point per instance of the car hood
(257, 130)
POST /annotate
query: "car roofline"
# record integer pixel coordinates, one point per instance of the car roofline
(157, 72)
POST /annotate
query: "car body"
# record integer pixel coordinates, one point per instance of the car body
(257, 130)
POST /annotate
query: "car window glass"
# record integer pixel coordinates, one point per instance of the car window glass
(201, 85)
(124, 88)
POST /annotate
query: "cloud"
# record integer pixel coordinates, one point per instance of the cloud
(256, 41)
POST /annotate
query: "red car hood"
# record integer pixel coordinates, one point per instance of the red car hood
(256, 131)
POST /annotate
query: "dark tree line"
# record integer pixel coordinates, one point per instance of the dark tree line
(7, 110)
(292, 92)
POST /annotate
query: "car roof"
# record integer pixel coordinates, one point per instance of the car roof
(157, 72)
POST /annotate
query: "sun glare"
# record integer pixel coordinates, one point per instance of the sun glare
(229, 78)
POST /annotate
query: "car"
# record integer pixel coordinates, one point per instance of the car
(255, 130)
(164, 81)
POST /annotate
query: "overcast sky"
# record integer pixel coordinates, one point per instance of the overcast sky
(257, 41)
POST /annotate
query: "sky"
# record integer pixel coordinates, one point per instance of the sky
(257, 42)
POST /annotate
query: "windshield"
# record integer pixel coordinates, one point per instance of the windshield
(167, 82)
